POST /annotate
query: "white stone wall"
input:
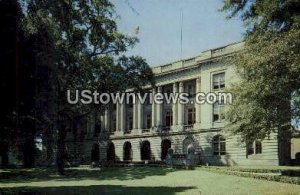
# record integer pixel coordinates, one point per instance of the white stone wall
(202, 67)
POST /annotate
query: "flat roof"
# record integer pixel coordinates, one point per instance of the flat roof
(202, 57)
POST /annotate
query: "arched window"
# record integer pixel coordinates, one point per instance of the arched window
(110, 152)
(165, 145)
(219, 145)
(95, 153)
(145, 150)
(187, 144)
(127, 151)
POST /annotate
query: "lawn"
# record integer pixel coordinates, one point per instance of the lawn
(135, 180)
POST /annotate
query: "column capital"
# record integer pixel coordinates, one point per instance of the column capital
(181, 87)
(123, 116)
(153, 90)
(175, 87)
(181, 84)
(159, 89)
(174, 106)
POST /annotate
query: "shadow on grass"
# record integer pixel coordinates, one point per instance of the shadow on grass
(95, 189)
(122, 173)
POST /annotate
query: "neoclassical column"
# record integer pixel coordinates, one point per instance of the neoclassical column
(180, 107)
(117, 117)
(102, 119)
(198, 106)
(174, 106)
(135, 114)
(140, 114)
(107, 120)
(153, 111)
(159, 110)
(123, 116)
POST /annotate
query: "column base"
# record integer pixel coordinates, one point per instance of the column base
(136, 132)
(197, 126)
(177, 128)
(118, 133)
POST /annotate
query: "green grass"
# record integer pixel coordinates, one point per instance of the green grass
(135, 180)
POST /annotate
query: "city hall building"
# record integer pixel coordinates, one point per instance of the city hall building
(138, 132)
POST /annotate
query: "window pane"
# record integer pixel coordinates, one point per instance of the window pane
(148, 125)
(130, 124)
(222, 80)
(222, 85)
(216, 148)
(250, 149)
(223, 148)
(216, 108)
(215, 85)
(258, 147)
(168, 119)
(216, 114)
(219, 81)
(216, 117)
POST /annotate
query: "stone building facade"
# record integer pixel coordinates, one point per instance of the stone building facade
(137, 133)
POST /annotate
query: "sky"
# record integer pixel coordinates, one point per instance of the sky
(203, 27)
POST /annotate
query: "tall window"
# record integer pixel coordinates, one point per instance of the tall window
(218, 112)
(254, 148)
(219, 145)
(148, 121)
(250, 149)
(169, 119)
(97, 128)
(191, 116)
(219, 81)
(129, 114)
(113, 121)
(191, 89)
(130, 123)
(147, 101)
(258, 147)
(168, 91)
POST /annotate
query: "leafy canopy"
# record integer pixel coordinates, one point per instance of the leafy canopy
(80, 42)
(267, 95)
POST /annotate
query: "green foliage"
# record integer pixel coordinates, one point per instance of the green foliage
(264, 15)
(78, 45)
(80, 42)
(267, 95)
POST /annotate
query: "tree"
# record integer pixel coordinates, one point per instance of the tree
(7, 74)
(79, 43)
(17, 120)
(267, 96)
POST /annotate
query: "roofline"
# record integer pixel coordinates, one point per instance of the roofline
(187, 58)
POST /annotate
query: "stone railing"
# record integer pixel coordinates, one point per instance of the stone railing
(166, 128)
(188, 127)
(127, 131)
(145, 130)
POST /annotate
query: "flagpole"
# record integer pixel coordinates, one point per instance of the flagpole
(181, 22)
